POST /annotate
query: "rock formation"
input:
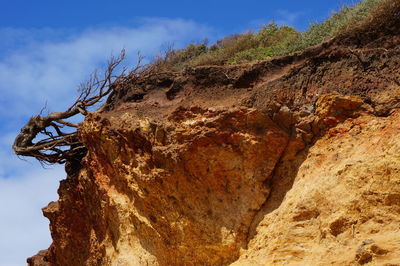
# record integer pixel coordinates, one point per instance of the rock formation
(292, 161)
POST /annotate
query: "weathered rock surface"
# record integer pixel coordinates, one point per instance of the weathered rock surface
(188, 189)
(293, 161)
(343, 206)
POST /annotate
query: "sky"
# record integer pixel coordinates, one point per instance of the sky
(49, 47)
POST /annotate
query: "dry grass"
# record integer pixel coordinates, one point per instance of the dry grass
(273, 40)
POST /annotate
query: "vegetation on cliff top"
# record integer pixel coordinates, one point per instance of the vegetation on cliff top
(270, 41)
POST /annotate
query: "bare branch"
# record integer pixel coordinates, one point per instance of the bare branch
(58, 146)
(66, 123)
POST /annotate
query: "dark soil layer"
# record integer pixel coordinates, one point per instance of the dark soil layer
(363, 62)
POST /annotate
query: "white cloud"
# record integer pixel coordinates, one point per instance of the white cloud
(23, 229)
(288, 18)
(51, 71)
(39, 65)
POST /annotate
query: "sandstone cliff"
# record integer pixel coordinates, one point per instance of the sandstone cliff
(292, 161)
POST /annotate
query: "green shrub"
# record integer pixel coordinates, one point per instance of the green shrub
(271, 40)
(175, 60)
(260, 53)
(225, 49)
(271, 34)
(339, 21)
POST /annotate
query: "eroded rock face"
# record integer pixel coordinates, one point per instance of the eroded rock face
(177, 193)
(293, 161)
(214, 187)
(343, 207)
(39, 259)
(190, 188)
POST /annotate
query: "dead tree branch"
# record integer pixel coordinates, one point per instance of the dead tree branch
(56, 143)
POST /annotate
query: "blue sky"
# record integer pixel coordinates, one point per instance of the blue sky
(48, 47)
(224, 15)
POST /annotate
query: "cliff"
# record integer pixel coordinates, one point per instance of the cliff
(291, 161)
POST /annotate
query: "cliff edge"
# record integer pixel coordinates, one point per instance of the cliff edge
(290, 161)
